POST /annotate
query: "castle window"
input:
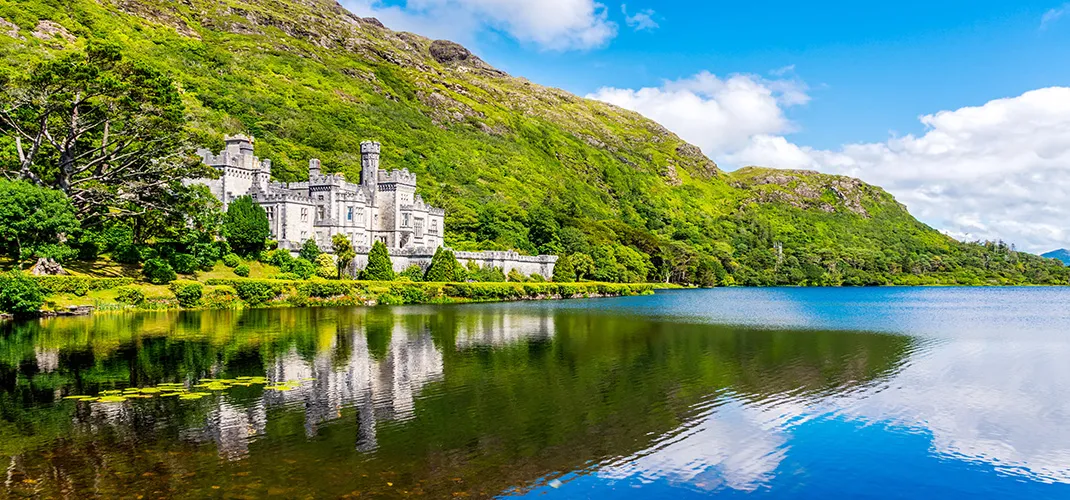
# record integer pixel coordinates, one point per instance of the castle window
(349, 215)
(419, 228)
(320, 212)
(434, 226)
(405, 221)
(304, 218)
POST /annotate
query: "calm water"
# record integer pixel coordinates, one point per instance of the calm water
(883, 393)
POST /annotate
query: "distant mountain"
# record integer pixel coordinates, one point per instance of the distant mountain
(1061, 254)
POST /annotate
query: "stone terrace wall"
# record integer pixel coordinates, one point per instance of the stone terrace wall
(403, 258)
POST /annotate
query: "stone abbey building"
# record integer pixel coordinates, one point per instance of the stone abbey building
(383, 206)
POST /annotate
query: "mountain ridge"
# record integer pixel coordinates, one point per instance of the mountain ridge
(1061, 254)
(515, 164)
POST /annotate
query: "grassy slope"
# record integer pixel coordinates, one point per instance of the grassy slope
(308, 79)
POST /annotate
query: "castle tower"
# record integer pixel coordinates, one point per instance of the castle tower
(313, 168)
(240, 146)
(369, 164)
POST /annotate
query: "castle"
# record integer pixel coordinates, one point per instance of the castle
(383, 207)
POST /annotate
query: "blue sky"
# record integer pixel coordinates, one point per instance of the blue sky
(961, 109)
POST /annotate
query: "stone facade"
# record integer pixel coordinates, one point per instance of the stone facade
(383, 206)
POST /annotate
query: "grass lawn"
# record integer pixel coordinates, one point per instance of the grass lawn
(257, 270)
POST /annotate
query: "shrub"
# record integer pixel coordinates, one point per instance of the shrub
(324, 289)
(386, 299)
(255, 292)
(302, 268)
(231, 260)
(158, 271)
(409, 294)
(443, 266)
(127, 253)
(413, 273)
(280, 258)
(563, 271)
(379, 266)
(536, 278)
(78, 285)
(20, 295)
(325, 267)
(242, 270)
(188, 293)
(130, 295)
(285, 276)
(246, 226)
(222, 297)
(310, 250)
(516, 276)
(184, 263)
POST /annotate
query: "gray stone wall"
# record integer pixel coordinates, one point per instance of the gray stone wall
(508, 261)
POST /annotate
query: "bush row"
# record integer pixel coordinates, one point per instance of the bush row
(78, 285)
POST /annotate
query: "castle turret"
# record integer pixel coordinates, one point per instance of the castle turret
(313, 168)
(369, 163)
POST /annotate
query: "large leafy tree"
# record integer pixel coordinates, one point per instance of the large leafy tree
(34, 221)
(379, 266)
(246, 226)
(108, 132)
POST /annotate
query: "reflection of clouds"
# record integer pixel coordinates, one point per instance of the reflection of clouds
(733, 445)
(1005, 403)
(496, 328)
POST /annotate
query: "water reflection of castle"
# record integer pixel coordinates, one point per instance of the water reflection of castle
(381, 386)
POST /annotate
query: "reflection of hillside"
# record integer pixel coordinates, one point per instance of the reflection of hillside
(553, 391)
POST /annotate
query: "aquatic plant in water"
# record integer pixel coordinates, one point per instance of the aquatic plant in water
(203, 387)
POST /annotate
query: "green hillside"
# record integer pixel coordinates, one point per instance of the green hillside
(516, 165)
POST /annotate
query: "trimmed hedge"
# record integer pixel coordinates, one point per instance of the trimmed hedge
(78, 285)
(188, 293)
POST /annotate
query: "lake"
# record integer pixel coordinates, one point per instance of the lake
(880, 393)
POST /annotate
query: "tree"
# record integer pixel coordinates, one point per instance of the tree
(563, 270)
(246, 227)
(34, 221)
(310, 250)
(443, 266)
(20, 295)
(107, 132)
(343, 252)
(583, 264)
(379, 266)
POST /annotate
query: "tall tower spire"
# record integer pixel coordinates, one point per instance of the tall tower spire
(369, 163)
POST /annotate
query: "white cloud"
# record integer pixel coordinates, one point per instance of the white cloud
(719, 115)
(640, 21)
(996, 171)
(548, 24)
(1053, 15)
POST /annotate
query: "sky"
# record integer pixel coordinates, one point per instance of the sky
(961, 109)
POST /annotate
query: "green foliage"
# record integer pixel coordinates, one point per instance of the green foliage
(222, 297)
(188, 293)
(303, 268)
(325, 266)
(536, 278)
(78, 285)
(158, 271)
(413, 273)
(344, 253)
(184, 263)
(231, 260)
(256, 292)
(242, 270)
(108, 132)
(130, 295)
(485, 274)
(246, 226)
(280, 258)
(20, 295)
(379, 267)
(563, 270)
(443, 266)
(310, 251)
(516, 276)
(34, 221)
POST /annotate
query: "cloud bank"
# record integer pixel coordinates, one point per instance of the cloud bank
(546, 24)
(996, 171)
